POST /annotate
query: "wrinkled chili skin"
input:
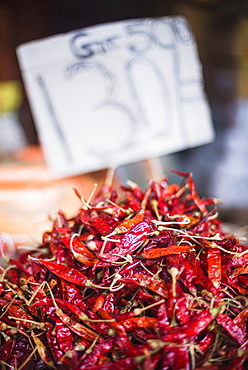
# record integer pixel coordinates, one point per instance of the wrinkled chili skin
(53, 343)
(69, 274)
(6, 348)
(235, 331)
(97, 352)
(20, 353)
(192, 328)
(180, 359)
(125, 364)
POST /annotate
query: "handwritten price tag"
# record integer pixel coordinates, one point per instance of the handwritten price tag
(116, 93)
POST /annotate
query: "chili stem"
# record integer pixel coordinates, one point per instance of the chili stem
(138, 311)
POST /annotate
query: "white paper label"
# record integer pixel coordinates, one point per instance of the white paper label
(116, 93)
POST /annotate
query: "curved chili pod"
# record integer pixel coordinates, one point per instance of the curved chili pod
(161, 252)
(67, 273)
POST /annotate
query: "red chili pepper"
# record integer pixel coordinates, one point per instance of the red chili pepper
(64, 336)
(239, 271)
(109, 303)
(42, 349)
(182, 311)
(207, 341)
(88, 295)
(188, 275)
(134, 323)
(128, 224)
(135, 190)
(241, 318)
(176, 357)
(136, 236)
(243, 279)
(127, 363)
(133, 203)
(17, 312)
(161, 252)
(67, 273)
(234, 330)
(96, 323)
(96, 354)
(199, 203)
(13, 272)
(99, 302)
(170, 190)
(129, 270)
(6, 349)
(129, 242)
(112, 323)
(163, 324)
(193, 327)
(205, 281)
(73, 295)
(82, 253)
(104, 224)
(53, 343)
(238, 261)
(151, 362)
(61, 303)
(214, 265)
(76, 327)
(20, 353)
(156, 285)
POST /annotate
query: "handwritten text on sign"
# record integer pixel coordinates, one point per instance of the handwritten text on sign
(116, 93)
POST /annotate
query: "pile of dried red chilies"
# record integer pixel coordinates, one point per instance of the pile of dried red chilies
(140, 280)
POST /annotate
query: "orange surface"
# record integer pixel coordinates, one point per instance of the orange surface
(30, 197)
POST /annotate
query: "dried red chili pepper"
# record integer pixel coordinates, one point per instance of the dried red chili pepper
(16, 312)
(99, 302)
(207, 341)
(129, 242)
(76, 327)
(82, 253)
(73, 295)
(44, 354)
(96, 354)
(104, 290)
(53, 343)
(135, 189)
(6, 349)
(241, 317)
(61, 303)
(118, 328)
(205, 281)
(177, 357)
(67, 273)
(156, 285)
(64, 336)
(234, 330)
(128, 224)
(214, 265)
(139, 322)
(20, 353)
(161, 252)
(193, 327)
(104, 224)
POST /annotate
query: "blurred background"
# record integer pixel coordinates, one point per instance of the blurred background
(27, 191)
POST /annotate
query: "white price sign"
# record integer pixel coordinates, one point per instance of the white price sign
(116, 93)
